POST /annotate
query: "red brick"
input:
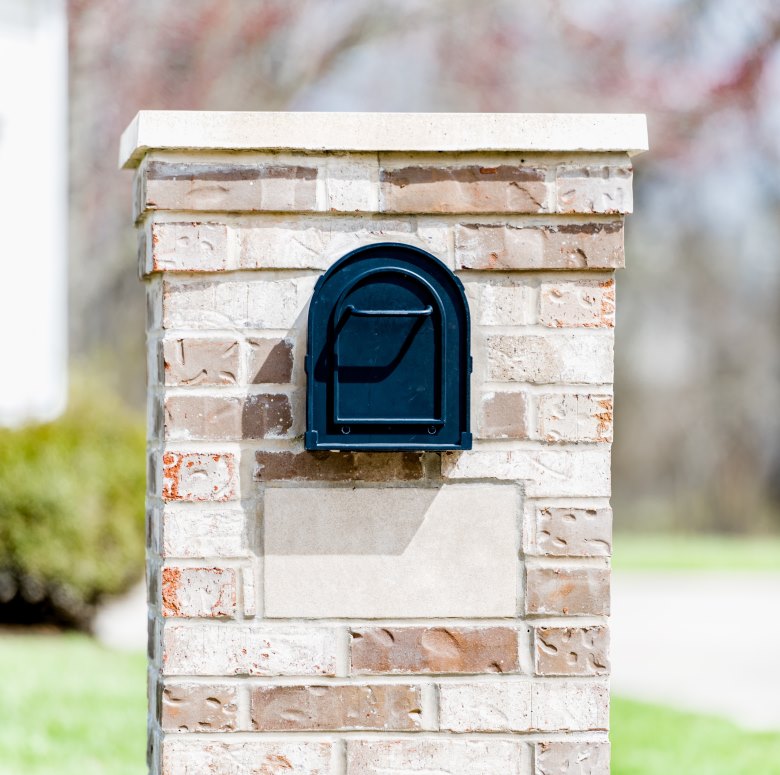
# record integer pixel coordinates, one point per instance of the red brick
(562, 592)
(339, 466)
(393, 707)
(434, 650)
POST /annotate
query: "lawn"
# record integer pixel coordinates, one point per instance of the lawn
(654, 552)
(71, 707)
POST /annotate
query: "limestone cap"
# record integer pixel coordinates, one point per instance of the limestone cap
(389, 132)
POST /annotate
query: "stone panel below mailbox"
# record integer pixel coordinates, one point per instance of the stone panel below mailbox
(391, 552)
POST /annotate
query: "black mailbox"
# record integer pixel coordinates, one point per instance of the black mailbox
(388, 359)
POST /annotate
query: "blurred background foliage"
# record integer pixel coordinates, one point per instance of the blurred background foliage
(697, 441)
(65, 545)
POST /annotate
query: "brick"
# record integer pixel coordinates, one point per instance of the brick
(213, 532)
(182, 756)
(225, 418)
(262, 303)
(316, 243)
(266, 186)
(249, 592)
(561, 356)
(582, 303)
(393, 707)
(576, 531)
(351, 183)
(235, 649)
(575, 417)
(594, 188)
(502, 415)
(485, 707)
(204, 592)
(387, 552)
(190, 247)
(577, 758)
(339, 466)
(202, 417)
(562, 706)
(434, 650)
(195, 476)
(153, 304)
(502, 247)
(509, 303)
(559, 592)
(270, 360)
(571, 650)
(424, 756)
(547, 473)
(189, 707)
(200, 361)
(471, 188)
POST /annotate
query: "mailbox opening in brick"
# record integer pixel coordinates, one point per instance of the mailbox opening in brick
(388, 362)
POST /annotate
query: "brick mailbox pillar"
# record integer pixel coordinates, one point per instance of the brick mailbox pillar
(356, 612)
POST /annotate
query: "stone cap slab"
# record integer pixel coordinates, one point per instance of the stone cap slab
(399, 132)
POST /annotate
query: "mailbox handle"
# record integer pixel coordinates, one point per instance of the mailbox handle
(396, 313)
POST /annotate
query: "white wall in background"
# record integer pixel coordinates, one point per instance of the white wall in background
(33, 209)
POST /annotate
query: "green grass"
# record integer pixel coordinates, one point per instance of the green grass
(650, 740)
(695, 552)
(71, 707)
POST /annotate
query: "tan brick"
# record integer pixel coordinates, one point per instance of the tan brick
(190, 247)
(571, 650)
(563, 706)
(484, 706)
(575, 531)
(504, 247)
(393, 707)
(548, 473)
(561, 356)
(427, 756)
(270, 360)
(507, 303)
(565, 592)
(471, 188)
(189, 707)
(575, 417)
(576, 758)
(212, 532)
(261, 303)
(434, 650)
(219, 648)
(502, 415)
(581, 303)
(594, 188)
(202, 417)
(183, 756)
(339, 466)
(200, 361)
(316, 243)
(267, 186)
(203, 592)
(195, 476)
(217, 418)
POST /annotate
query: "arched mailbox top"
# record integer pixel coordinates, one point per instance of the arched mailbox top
(388, 359)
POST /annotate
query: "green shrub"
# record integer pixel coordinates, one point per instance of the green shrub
(71, 510)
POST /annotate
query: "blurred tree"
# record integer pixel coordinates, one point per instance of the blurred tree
(698, 357)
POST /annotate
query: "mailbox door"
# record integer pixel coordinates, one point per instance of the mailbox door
(388, 354)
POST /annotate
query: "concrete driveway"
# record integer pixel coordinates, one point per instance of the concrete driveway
(708, 642)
